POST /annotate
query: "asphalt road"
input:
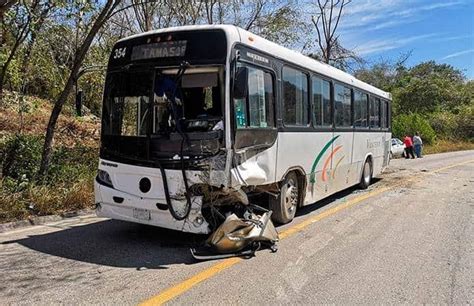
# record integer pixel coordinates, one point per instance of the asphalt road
(408, 239)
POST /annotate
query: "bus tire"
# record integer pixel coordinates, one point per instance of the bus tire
(284, 206)
(366, 177)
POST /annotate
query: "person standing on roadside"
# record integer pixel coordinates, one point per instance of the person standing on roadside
(418, 144)
(408, 147)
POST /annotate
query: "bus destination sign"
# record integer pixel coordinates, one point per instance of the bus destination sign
(159, 50)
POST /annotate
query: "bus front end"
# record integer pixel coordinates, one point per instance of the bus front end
(163, 140)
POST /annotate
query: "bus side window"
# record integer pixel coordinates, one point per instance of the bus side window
(389, 114)
(383, 114)
(321, 102)
(317, 87)
(327, 106)
(256, 109)
(374, 110)
(295, 97)
(260, 99)
(361, 102)
(342, 106)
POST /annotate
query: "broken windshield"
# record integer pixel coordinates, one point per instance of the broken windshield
(127, 110)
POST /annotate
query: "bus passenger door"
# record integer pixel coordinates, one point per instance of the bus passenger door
(255, 138)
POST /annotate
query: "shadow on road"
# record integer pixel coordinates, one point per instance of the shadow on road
(117, 244)
(128, 245)
(339, 195)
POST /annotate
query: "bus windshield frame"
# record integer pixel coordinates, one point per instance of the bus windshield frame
(151, 112)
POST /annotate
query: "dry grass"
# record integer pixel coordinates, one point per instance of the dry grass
(44, 200)
(80, 196)
(441, 146)
(12, 206)
(72, 188)
(33, 121)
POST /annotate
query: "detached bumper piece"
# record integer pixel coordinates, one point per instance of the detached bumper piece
(239, 237)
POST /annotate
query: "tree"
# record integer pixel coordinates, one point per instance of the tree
(277, 21)
(25, 21)
(15, 30)
(210, 6)
(80, 54)
(429, 87)
(35, 29)
(5, 5)
(145, 12)
(326, 22)
(385, 73)
(132, 16)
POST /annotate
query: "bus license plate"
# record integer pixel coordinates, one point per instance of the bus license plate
(141, 214)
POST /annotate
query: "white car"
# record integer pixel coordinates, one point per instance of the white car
(398, 148)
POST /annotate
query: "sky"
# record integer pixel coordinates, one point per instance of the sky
(440, 30)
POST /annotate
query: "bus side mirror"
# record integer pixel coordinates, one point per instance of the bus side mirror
(241, 83)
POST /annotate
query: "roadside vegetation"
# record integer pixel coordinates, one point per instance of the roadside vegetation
(433, 99)
(51, 50)
(443, 145)
(69, 183)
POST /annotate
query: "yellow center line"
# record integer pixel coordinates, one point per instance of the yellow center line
(178, 289)
(452, 166)
(184, 286)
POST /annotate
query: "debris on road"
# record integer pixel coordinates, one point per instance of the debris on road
(239, 236)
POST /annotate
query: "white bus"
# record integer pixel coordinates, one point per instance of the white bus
(199, 121)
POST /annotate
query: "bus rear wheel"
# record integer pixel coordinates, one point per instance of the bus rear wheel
(284, 206)
(366, 178)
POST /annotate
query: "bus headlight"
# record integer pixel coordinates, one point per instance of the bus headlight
(103, 178)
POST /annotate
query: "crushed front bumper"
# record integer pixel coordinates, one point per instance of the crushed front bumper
(119, 205)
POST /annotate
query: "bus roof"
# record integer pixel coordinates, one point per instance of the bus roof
(236, 34)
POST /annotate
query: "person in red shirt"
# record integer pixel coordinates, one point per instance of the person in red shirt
(408, 147)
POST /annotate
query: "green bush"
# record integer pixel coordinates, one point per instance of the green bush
(68, 185)
(455, 124)
(410, 124)
(72, 164)
(465, 122)
(21, 156)
(444, 124)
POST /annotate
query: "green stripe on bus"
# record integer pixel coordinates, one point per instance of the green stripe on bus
(320, 155)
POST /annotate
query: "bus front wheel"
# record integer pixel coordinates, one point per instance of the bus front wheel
(284, 206)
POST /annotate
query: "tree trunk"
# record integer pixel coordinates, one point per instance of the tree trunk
(80, 55)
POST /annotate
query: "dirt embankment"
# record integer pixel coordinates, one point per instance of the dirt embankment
(34, 116)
